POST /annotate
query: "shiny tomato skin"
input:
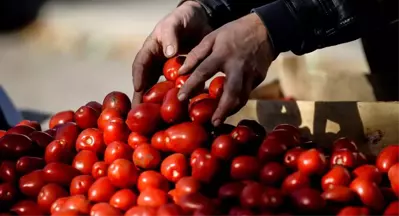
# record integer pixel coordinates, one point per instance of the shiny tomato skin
(152, 197)
(242, 134)
(344, 143)
(28, 164)
(101, 190)
(115, 130)
(307, 200)
(61, 118)
(174, 167)
(202, 111)
(188, 184)
(14, 146)
(258, 129)
(172, 66)
(286, 136)
(147, 157)
(185, 137)
(343, 157)
(95, 105)
(272, 174)
(369, 172)
(157, 92)
(58, 151)
(312, 162)
(179, 82)
(31, 183)
(152, 179)
(26, 208)
(8, 194)
(272, 198)
(117, 100)
(170, 209)
(135, 139)
(291, 157)
(80, 185)
(205, 166)
(198, 98)
(68, 133)
(58, 205)
(84, 161)
(141, 211)
(59, 173)
(271, 150)
(352, 210)
(216, 87)
(195, 201)
(369, 193)
(144, 118)
(105, 116)
(244, 167)
(337, 176)
(117, 150)
(339, 194)
(104, 209)
(34, 124)
(122, 173)
(41, 139)
(224, 147)
(294, 182)
(392, 209)
(393, 176)
(99, 169)
(158, 141)
(251, 196)
(123, 199)
(290, 128)
(2, 133)
(86, 117)
(8, 171)
(387, 158)
(78, 203)
(91, 139)
(21, 129)
(48, 195)
(231, 190)
(173, 110)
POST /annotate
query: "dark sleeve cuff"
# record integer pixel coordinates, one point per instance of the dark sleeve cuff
(281, 25)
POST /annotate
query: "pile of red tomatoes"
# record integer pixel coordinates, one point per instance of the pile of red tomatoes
(163, 157)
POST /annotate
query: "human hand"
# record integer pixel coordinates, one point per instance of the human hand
(240, 49)
(181, 30)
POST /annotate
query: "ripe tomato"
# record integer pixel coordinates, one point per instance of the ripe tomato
(122, 173)
(77, 203)
(239, 211)
(136, 139)
(158, 141)
(80, 184)
(28, 164)
(59, 173)
(61, 118)
(289, 137)
(351, 210)
(115, 130)
(290, 128)
(14, 146)
(84, 161)
(196, 201)
(30, 184)
(271, 150)
(2, 133)
(258, 129)
(368, 172)
(216, 87)
(291, 157)
(272, 198)
(188, 184)
(339, 194)
(144, 118)
(157, 92)
(202, 111)
(152, 179)
(312, 162)
(307, 200)
(173, 110)
(344, 143)
(169, 209)
(8, 194)
(48, 195)
(273, 174)
(224, 147)
(95, 105)
(141, 210)
(244, 167)
(369, 193)
(101, 190)
(33, 124)
(393, 175)
(343, 157)
(197, 99)
(26, 208)
(392, 209)
(8, 171)
(106, 115)
(21, 129)
(91, 139)
(68, 132)
(58, 151)
(147, 157)
(204, 166)
(123, 199)
(41, 139)
(294, 182)
(174, 167)
(242, 134)
(58, 205)
(100, 169)
(117, 100)
(337, 176)
(117, 150)
(231, 190)
(181, 80)
(185, 137)
(251, 196)
(387, 158)
(172, 66)
(152, 197)
(86, 117)
(104, 209)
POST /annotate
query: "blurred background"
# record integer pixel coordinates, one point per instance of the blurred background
(58, 55)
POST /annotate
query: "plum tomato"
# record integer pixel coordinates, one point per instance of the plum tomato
(61, 118)
(353, 210)
(147, 157)
(188, 184)
(104, 209)
(369, 172)
(231, 190)
(393, 176)
(369, 193)
(31, 183)
(195, 201)
(337, 176)
(59, 173)
(216, 87)
(80, 185)
(344, 143)
(8, 193)
(157, 92)
(339, 194)
(86, 117)
(84, 161)
(251, 195)
(273, 173)
(158, 141)
(224, 147)
(152, 179)
(174, 167)
(290, 128)
(239, 211)
(204, 166)
(68, 132)
(136, 139)
(173, 110)
(202, 111)
(26, 208)
(291, 157)
(58, 151)
(272, 198)
(8, 171)
(27, 164)
(122, 173)
(21, 129)
(14, 146)
(387, 158)
(257, 128)
(242, 134)
(117, 100)
(172, 66)
(244, 167)
(95, 105)
(170, 209)
(101, 190)
(91, 139)
(2, 133)
(58, 205)
(198, 98)
(99, 169)
(105, 116)
(307, 200)
(179, 82)
(343, 157)
(152, 197)
(77, 203)
(271, 150)
(41, 139)
(392, 209)
(34, 124)
(115, 130)
(144, 118)
(48, 195)
(295, 181)
(288, 137)
(185, 137)
(141, 211)
(117, 150)
(123, 199)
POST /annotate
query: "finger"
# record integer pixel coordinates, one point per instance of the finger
(231, 97)
(197, 54)
(137, 98)
(201, 74)
(169, 38)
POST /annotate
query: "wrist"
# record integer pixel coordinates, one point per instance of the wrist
(262, 33)
(199, 8)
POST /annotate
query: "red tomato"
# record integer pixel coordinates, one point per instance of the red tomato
(174, 195)
(21, 129)
(30, 123)
(185, 137)
(157, 92)
(197, 99)
(295, 181)
(343, 157)
(244, 167)
(59, 173)
(272, 198)
(101, 190)
(117, 150)
(204, 166)
(307, 200)
(202, 111)
(289, 137)
(271, 150)
(172, 66)
(136, 139)
(290, 128)
(173, 110)
(117, 100)
(216, 87)
(392, 209)
(158, 141)
(141, 211)
(51, 132)
(48, 195)
(251, 196)
(337, 176)
(95, 105)
(291, 157)
(58, 205)
(273, 173)
(123, 199)
(8, 172)
(68, 133)
(312, 162)
(91, 139)
(147, 157)
(196, 201)
(104, 209)
(188, 184)
(61, 118)
(174, 167)
(152, 179)
(369, 193)
(8, 193)
(170, 209)
(30, 184)
(242, 134)
(122, 173)
(152, 197)
(339, 194)
(344, 143)
(257, 128)
(224, 147)
(181, 80)
(86, 117)
(42, 139)
(14, 146)
(368, 172)
(144, 118)
(26, 208)
(78, 203)
(80, 184)
(58, 151)
(28, 164)
(231, 190)
(100, 169)
(84, 161)
(105, 116)
(115, 130)
(351, 210)
(239, 211)
(2, 133)
(387, 158)
(393, 175)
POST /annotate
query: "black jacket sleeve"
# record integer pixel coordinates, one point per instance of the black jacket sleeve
(302, 26)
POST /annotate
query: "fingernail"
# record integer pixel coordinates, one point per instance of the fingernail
(217, 122)
(170, 50)
(181, 96)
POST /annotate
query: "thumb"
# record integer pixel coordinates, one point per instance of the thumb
(170, 41)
